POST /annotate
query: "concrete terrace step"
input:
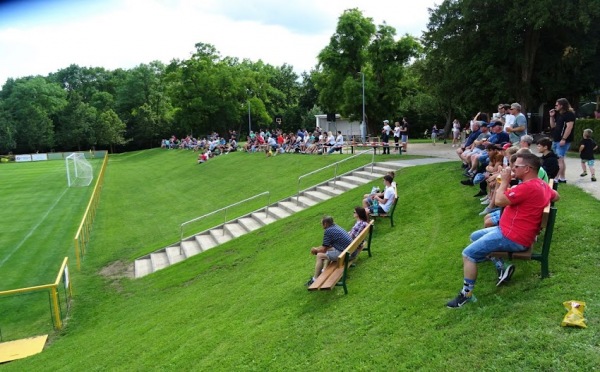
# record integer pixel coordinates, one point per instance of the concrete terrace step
(159, 260)
(142, 266)
(355, 180)
(235, 229)
(342, 185)
(330, 190)
(305, 201)
(249, 223)
(206, 241)
(211, 238)
(175, 254)
(278, 212)
(380, 169)
(190, 247)
(220, 235)
(290, 206)
(264, 219)
(367, 175)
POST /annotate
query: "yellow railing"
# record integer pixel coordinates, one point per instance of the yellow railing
(82, 236)
(63, 273)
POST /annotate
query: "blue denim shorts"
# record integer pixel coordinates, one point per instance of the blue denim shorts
(559, 150)
(495, 217)
(486, 241)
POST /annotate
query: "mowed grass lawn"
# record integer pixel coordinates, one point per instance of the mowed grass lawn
(40, 217)
(243, 306)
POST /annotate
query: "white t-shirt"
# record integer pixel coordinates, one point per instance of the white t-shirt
(509, 120)
(387, 129)
(388, 195)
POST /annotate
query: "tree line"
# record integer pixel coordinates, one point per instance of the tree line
(473, 55)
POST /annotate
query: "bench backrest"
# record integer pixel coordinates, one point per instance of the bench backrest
(354, 245)
(547, 209)
(391, 211)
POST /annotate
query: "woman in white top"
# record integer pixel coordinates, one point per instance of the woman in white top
(455, 133)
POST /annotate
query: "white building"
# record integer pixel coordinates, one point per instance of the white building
(348, 128)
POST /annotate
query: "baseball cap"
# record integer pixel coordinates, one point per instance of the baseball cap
(386, 121)
(496, 123)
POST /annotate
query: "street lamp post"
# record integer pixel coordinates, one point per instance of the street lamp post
(363, 124)
(249, 119)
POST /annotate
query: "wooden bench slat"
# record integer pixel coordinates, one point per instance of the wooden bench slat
(333, 279)
(321, 279)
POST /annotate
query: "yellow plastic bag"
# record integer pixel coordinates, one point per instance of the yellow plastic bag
(574, 316)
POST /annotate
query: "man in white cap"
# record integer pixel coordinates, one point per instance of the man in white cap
(385, 136)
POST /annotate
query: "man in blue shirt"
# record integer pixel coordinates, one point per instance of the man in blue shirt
(335, 240)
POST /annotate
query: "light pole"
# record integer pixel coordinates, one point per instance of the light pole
(249, 119)
(363, 124)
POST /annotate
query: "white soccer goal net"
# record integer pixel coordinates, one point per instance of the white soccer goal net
(79, 170)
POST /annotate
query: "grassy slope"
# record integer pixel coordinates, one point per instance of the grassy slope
(243, 305)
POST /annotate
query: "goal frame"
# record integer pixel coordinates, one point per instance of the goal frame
(79, 170)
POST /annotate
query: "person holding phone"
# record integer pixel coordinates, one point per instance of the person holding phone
(562, 121)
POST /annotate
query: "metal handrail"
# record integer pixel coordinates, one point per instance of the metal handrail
(225, 209)
(335, 173)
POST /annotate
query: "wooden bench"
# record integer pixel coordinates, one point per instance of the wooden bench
(331, 275)
(390, 214)
(547, 226)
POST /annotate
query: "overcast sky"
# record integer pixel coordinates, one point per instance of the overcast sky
(38, 37)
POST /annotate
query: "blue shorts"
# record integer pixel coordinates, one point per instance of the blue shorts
(332, 254)
(495, 217)
(589, 162)
(559, 150)
(486, 241)
(404, 138)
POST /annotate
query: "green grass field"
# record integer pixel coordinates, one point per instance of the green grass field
(41, 215)
(243, 305)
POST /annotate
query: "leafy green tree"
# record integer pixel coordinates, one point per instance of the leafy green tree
(143, 104)
(341, 61)
(357, 48)
(479, 53)
(7, 131)
(33, 104)
(110, 130)
(74, 128)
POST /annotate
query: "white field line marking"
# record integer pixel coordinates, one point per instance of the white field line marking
(33, 229)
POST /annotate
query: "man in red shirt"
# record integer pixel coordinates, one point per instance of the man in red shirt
(519, 224)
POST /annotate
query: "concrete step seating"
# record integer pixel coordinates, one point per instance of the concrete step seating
(215, 236)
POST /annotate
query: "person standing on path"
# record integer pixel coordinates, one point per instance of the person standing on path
(562, 121)
(404, 134)
(586, 153)
(385, 137)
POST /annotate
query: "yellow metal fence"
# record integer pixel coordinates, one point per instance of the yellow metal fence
(82, 236)
(63, 281)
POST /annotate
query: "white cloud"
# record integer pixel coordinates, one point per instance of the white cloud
(125, 34)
